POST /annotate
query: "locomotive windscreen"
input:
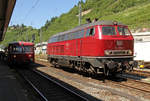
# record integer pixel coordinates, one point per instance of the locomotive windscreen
(109, 30)
(112, 30)
(123, 31)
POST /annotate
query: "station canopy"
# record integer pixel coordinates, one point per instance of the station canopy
(6, 9)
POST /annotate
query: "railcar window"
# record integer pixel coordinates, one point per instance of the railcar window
(108, 30)
(90, 32)
(10, 48)
(17, 49)
(123, 31)
(27, 49)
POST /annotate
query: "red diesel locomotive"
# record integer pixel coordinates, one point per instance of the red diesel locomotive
(20, 53)
(99, 47)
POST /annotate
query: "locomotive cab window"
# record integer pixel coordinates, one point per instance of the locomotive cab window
(90, 32)
(123, 31)
(108, 30)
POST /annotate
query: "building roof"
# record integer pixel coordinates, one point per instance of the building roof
(141, 34)
(41, 44)
(6, 9)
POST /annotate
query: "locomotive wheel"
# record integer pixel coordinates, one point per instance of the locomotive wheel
(54, 64)
(131, 68)
(90, 70)
(72, 65)
(78, 68)
(106, 71)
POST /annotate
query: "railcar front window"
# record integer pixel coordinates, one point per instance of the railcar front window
(123, 31)
(17, 49)
(108, 30)
(28, 49)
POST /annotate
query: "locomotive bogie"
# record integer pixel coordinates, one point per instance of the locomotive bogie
(94, 65)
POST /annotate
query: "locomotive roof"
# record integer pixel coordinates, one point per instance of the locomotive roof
(88, 25)
(22, 43)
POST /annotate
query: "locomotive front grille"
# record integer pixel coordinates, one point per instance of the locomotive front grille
(118, 52)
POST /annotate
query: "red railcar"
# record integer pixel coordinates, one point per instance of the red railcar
(20, 52)
(102, 46)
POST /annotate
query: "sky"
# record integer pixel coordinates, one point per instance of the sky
(36, 12)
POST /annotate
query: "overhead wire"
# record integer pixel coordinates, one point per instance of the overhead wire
(30, 10)
(28, 13)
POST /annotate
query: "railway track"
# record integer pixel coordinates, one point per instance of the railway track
(97, 86)
(48, 88)
(142, 73)
(134, 82)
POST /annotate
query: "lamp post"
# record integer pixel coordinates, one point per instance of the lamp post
(80, 11)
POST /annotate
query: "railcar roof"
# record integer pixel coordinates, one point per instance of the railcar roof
(22, 43)
(88, 25)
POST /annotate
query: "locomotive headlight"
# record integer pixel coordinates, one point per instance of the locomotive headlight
(30, 55)
(129, 52)
(108, 52)
(14, 56)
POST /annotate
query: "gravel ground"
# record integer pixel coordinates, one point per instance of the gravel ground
(104, 91)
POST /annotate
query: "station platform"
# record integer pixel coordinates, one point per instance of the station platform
(10, 88)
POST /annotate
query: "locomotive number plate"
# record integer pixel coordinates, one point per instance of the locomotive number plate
(119, 43)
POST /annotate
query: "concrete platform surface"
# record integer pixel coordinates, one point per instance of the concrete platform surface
(10, 89)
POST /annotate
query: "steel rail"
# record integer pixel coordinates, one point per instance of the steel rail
(36, 89)
(53, 81)
(132, 98)
(134, 80)
(61, 85)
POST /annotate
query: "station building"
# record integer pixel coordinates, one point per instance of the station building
(40, 48)
(142, 46)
